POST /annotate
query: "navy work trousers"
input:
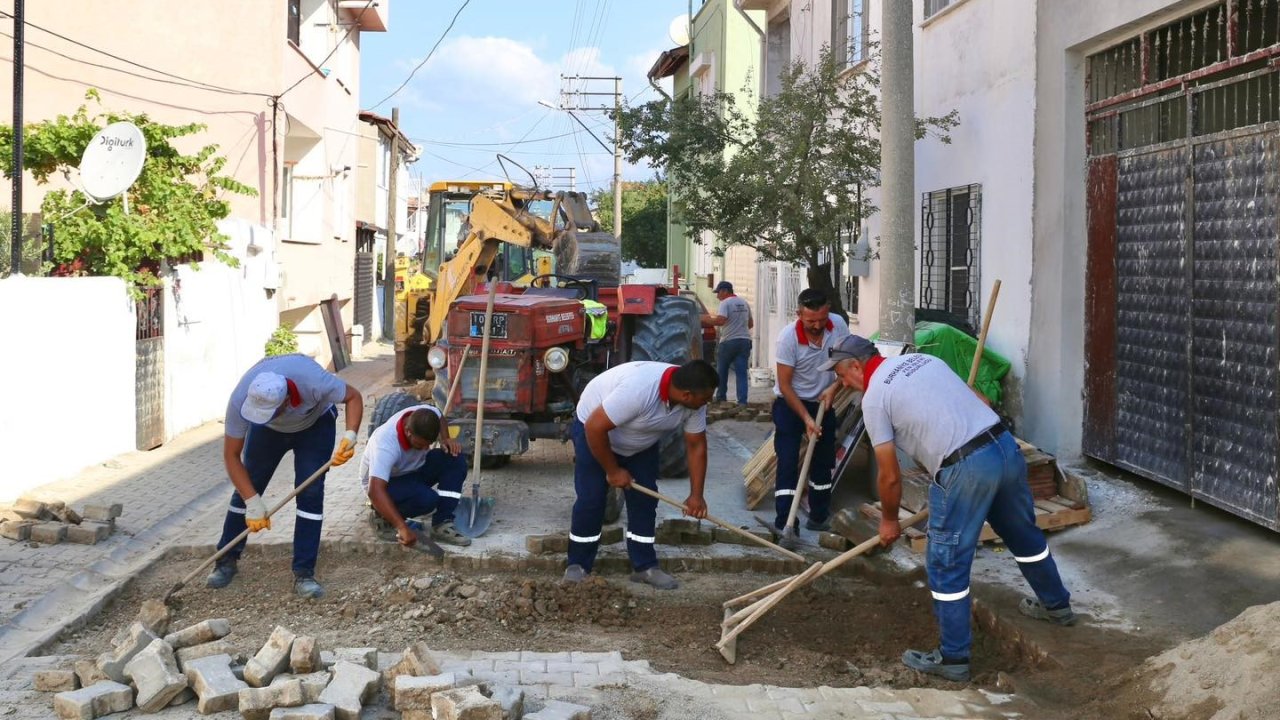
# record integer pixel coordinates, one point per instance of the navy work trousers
(434, 488)
(264, 448)
(735, 354)
(588, 509)
(788, 440)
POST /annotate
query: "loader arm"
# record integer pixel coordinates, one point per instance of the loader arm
(491, 224)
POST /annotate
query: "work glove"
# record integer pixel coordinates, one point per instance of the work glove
(255, 514)
(346, 449)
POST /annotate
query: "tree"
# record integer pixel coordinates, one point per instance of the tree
(644, 220)
(174, 205)
(783, 182)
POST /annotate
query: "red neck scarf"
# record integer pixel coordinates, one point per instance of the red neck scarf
(869, 368)
(803, 338)
(295, 397)
(400, 431)
(664, 387)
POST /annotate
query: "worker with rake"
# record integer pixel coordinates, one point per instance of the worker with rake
(917, 403)
(283, 403)
(622, 416)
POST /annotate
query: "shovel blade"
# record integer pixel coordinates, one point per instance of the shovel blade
(473, 516)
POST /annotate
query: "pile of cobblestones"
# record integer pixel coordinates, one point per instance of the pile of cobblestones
(49, 523)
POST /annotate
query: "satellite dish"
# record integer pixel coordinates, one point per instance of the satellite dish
(678, 30)
(112, 161)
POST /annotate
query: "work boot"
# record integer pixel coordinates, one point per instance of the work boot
(824, 526)
(221, 576)
(656, 577)
(932, 663)
(574, 574)
(1032, 608)
(307, 587)
(448, 534)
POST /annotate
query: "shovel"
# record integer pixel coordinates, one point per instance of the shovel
(474, 514)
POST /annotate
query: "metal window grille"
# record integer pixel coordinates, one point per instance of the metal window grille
(933, 7)
(1115, 71)
(771, 293)
(294, 12)
(1257, 24)
(950, 234)
(1188, 44)
(791, 290)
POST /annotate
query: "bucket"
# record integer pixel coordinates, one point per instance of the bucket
(761, 377)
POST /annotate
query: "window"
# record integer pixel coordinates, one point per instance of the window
(950, 230)
(933, 7)
(850, 31)
(286, 202)
(295, 21)
(771, 289)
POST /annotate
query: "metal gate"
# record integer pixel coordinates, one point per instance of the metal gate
(149, 369)
(1182, 338)
(364, 282)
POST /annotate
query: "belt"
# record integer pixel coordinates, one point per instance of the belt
(977, 442)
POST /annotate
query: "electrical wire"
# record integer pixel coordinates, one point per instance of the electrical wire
(492, 144)
(418, 67)
(355, 24)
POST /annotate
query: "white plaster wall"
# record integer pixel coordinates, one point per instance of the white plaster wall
(69, 348)
(217, 321)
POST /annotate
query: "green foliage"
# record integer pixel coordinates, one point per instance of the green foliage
(174, 205)
(644, 220)
(32, 248)
(282, 342)
(784, 181)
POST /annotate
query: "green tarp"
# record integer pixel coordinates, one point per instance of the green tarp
(956, 349)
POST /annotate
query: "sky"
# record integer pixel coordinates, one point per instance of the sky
(478, 94)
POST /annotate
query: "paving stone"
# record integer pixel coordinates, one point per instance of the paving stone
(466, 703)
(561, 710)
(89, 673)
(366, 656)
(195, 652)
(48, 533)
(351, 687)
(511, 699)
(611, 535)
(56, 681)
(155, 616)
(313, 684)
(67, 515)
(304, 657)
(217, 688)
(17, 530)
(94, 701)
(271, 660)
(411, 692)
(184, 697)
(539, 544)
(202, 632)
(105, 513)
(416, 661)
(832, 541)
(310, 711)
(154, 671)
(257, 703)
(32, 509)
(135, 639)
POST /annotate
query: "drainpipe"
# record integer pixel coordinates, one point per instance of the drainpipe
(764, 44)
(897, 162)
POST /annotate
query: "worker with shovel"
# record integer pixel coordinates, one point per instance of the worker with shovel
(802, 382)
(917, 403)
(405, 478)
(283, 403)
(622, 416)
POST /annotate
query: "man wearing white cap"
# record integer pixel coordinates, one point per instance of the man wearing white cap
(283, 403)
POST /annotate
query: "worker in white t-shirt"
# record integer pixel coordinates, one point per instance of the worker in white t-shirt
(284, 403)
(405, 478)
(622, 415)
(733, 351)
(802, 382)
(916, 403)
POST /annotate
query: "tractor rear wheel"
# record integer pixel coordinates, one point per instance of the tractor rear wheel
(668, 335)
(388, 405)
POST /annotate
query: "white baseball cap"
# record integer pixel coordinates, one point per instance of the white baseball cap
(267, 391)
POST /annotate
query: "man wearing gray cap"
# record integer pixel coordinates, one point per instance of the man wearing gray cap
(916, 403)
(283, 403)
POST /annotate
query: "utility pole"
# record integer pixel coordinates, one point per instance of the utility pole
(569, 105)
(897, 166)
(389, 259)
(15, 237)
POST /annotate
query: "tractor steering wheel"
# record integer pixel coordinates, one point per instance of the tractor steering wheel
(564, 281)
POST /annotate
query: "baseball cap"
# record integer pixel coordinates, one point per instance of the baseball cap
(266, 392)
(853, 347)
(724, 286)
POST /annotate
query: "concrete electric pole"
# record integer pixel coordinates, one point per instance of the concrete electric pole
(570, 101)
(389, 261)
(897, 172)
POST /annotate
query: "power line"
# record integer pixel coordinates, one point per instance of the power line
(355, 24)
(415, 70)
(194, 82)
(494, 144)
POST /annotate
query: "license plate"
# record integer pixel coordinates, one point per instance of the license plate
(498, 329)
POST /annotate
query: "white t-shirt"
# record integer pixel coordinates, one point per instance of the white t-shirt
(388, 454)
(920, 404)
(312, 391)
(794, 350)
(631, 395)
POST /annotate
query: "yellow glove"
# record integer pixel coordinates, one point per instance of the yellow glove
(255, 514)
(346, 449)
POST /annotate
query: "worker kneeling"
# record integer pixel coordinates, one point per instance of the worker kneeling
(915, 402)
(405, 478)
(622, 416)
